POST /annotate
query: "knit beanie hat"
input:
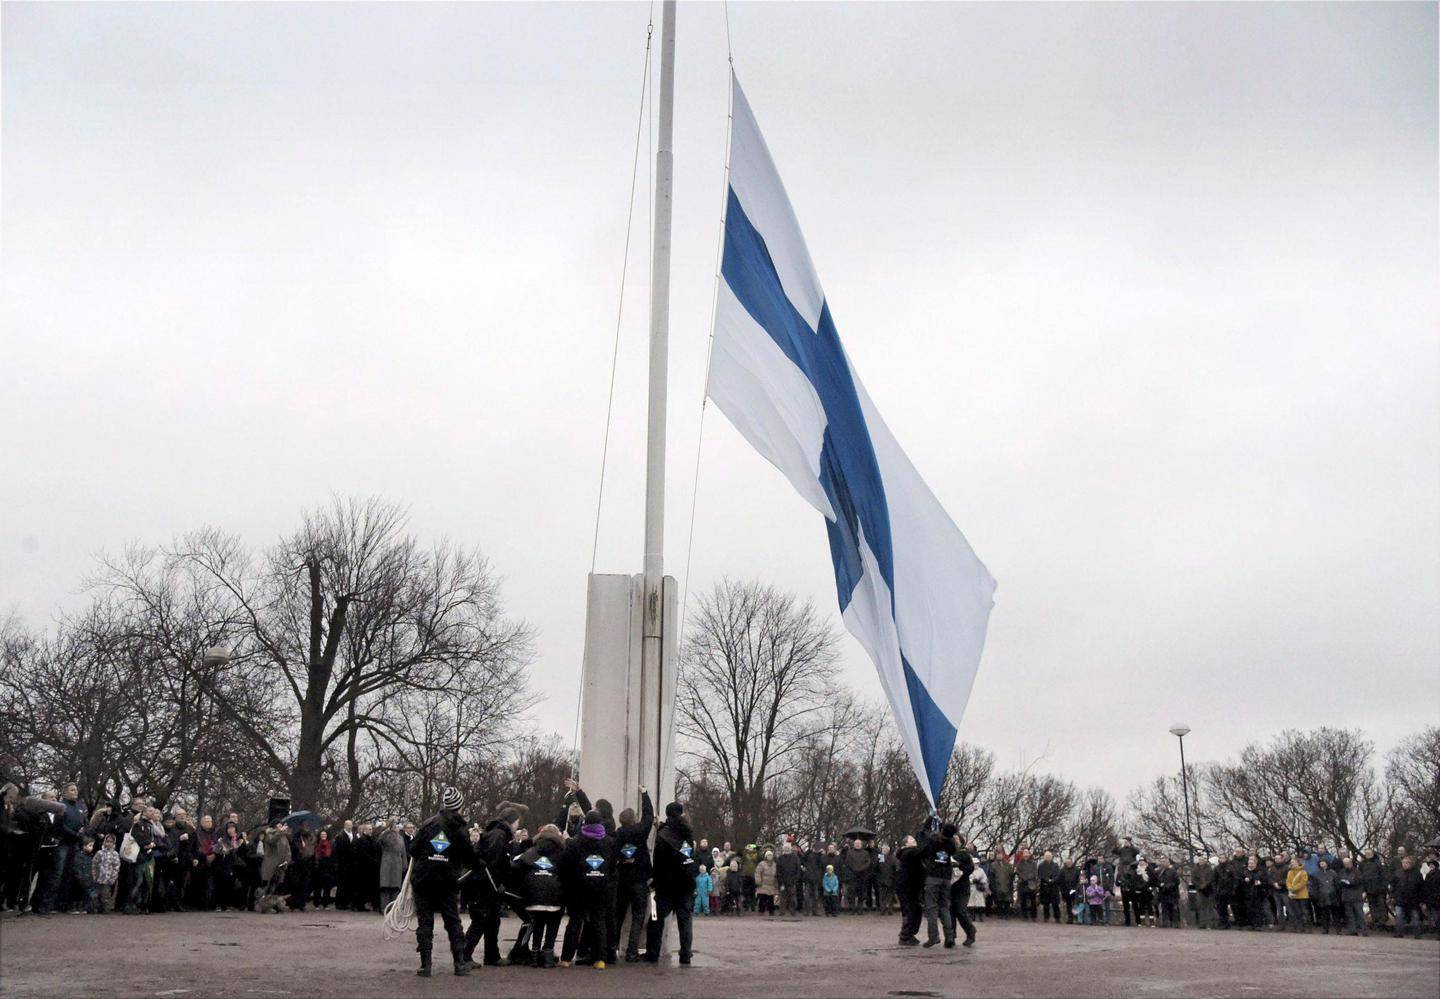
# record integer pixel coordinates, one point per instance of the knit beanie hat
(451, 799)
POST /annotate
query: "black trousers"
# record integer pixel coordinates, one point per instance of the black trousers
(632, 898)
(960, 907)
(443, 899)
(591, 916)
(1027, 904)
(682, 904)
(1050, 903)
(1132, 901)
(484, 922)
(910, 912)
(544, 926)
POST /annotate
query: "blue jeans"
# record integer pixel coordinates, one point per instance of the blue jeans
(56, 878)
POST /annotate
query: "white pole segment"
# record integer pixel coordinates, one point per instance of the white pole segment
(653, 695)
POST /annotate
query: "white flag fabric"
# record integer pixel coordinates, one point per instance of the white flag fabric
(910, 587)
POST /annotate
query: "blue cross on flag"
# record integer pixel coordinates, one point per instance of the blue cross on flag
(910, 587)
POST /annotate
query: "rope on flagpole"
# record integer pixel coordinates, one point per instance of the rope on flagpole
(615, 352)
(710, 345)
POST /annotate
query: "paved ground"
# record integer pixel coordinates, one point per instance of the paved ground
(343, 954)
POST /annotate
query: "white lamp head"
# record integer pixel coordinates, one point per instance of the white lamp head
(216, 656)
(1180, 729)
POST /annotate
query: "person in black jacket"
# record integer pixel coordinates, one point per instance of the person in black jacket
(960, 890)
(937, 847)
(1408, 888)
(632, 883)
(673, 876)
(1049, 872)
(440, 853)
(492, 866)
(910, 887)
(541, 893)
(1167, 883)
(1069, 887)
(588, 874)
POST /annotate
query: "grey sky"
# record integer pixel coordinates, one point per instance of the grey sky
(1147, 292)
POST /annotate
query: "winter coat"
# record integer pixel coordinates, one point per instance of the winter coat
(1322, 887)
(831, 883)
(911, 876)
(105, 867)
(1408, 887)
(1202, 876)
(938, 852)
(441, 851)
(1297, 883)
(787, 869)
(632, 844)
(858, 862)
(493, 855)
(1069, 879)
(1431, 893)
(748, 862)
(1347, 883)
(1095, 896)
(765, 883)
(540, 883)
(1027, 873)
(1049, 873)
(587, 867)
(1002, 878)
(979, 886)
(674, 862)
(1167, 879)
(277, 852)
(392, 859)
(1372, 874)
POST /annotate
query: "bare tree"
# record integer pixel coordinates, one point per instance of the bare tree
(1302, 788)
(756, 673)
(1093, 829)
(1412, 769)
(339, 620)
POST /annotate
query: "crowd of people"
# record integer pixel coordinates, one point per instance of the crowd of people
(1311, 889)
(599, 869)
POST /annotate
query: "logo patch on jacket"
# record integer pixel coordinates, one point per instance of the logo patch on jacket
(594, 862)
(941, 857)
(687, 851)
(628, 851)
(441, 842)
(543, 863)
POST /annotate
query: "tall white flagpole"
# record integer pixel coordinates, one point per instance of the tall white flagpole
(651, 651)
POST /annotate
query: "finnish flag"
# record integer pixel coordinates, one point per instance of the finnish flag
(910, 587)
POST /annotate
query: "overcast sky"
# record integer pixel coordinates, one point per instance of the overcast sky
(1148, 293)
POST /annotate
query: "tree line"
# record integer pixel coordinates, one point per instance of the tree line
(772, 743)
(367, 671)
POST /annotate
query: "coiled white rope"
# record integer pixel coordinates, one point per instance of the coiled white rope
(400, 914)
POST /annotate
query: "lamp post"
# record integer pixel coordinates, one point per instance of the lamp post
(215, 658)
(1180, 730)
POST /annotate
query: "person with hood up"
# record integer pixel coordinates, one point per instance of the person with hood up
(632, 882)
(439, 854)
(674, 881)
(588, 874)
(542, 892)
(492, 864)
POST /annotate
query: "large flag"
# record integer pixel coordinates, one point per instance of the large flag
(910, 587)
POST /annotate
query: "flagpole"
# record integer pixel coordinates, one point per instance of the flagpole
(652, 634)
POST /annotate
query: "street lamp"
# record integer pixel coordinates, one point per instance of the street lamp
(217, 656)
(1180, 730)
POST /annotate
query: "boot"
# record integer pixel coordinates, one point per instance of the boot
(424, 971)
(536, 960)
(462, 966)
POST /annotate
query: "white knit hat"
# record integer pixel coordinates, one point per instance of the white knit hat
(451, 799)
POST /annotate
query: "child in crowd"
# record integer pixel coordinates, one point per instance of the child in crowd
(717, 883)
(702, 892)
(831, 885)
(85, 875)
(105, 873)
(1095, 896)
(734, 886)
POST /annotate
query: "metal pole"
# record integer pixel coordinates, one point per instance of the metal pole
(651, 651)
(1185, 786)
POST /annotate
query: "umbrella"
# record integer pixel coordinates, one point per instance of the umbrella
(294, 819)
(858, 833)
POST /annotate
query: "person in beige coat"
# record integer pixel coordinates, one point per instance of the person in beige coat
(766, 885)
